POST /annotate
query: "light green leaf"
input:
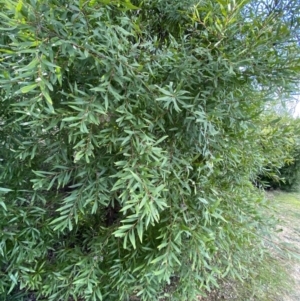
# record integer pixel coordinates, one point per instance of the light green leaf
(2, 189)
(3, 205)
(132, 238)
(26, 89)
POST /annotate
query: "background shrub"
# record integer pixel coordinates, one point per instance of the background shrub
(286, 175)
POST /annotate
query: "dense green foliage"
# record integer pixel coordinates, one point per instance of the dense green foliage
(131, 135)
(290, 172)
(286, 175)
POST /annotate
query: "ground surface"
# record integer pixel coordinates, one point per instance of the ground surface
(288, 206)
(281, 275)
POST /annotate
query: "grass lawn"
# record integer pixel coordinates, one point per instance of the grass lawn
(277, 278)
(288, 239)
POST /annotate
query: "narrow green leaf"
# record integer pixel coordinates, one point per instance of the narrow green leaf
(47, 96)
(2, 189)
(132, 238)
(3, 205)
(26, 89)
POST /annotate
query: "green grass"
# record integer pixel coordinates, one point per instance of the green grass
(269, 283)
(287, 204)
(285, 199)
(288, 211)
(272, 280)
